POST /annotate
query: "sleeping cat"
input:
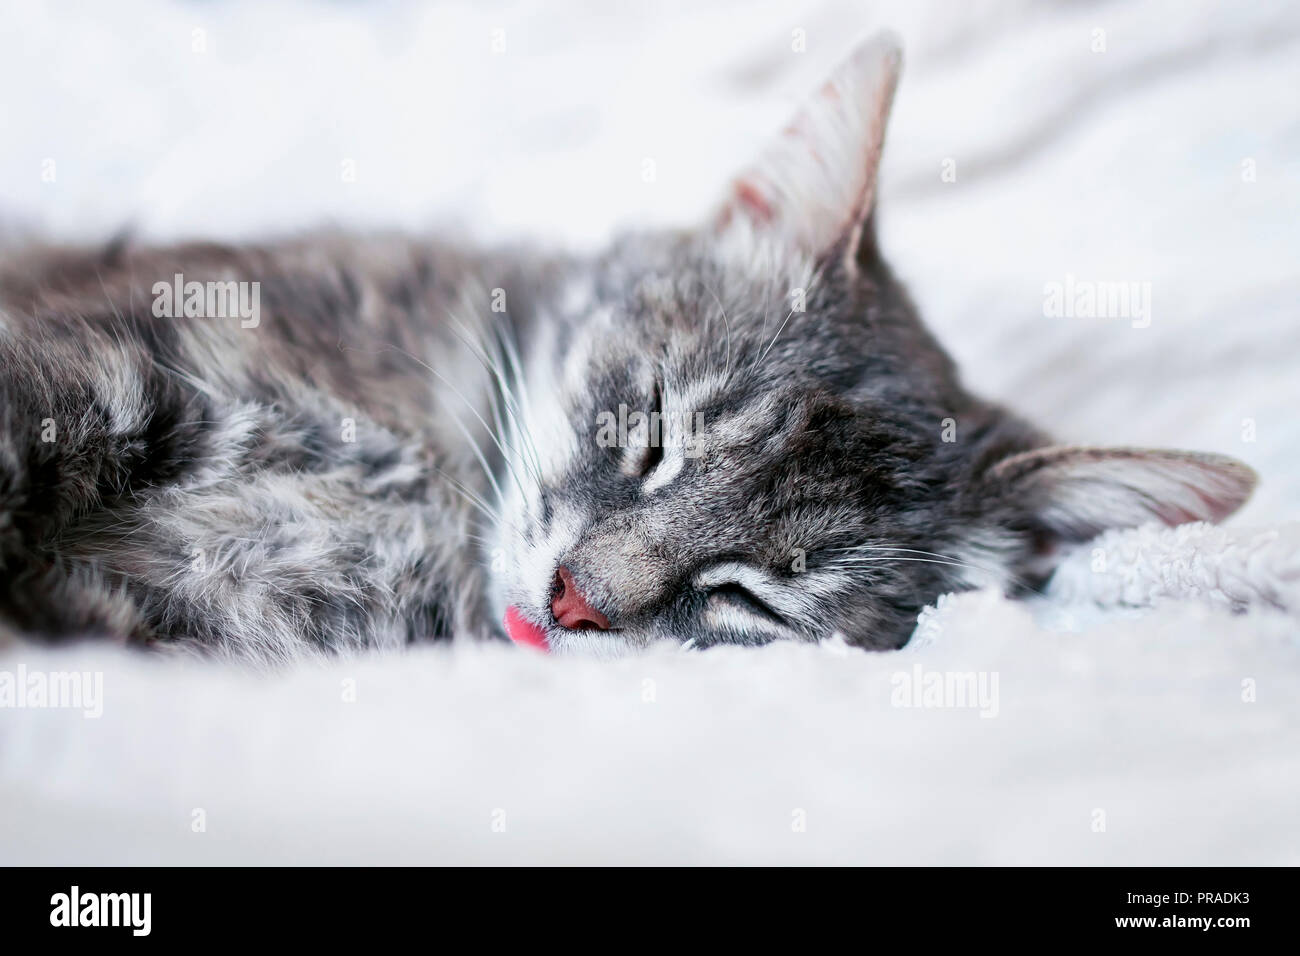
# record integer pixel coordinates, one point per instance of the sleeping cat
(736, 434)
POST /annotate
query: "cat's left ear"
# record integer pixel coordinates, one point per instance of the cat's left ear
(816, 183)
(1070, 494)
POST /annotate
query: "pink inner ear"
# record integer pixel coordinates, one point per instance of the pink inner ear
(816, 181)
(525, 632)
(752, 200)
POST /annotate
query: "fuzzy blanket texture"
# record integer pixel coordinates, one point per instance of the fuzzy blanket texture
(1145, 709)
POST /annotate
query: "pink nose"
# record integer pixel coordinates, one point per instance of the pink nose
(570, 608)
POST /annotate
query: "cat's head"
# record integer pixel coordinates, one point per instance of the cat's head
(816, 466)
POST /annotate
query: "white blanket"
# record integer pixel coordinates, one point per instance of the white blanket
(1146, 709)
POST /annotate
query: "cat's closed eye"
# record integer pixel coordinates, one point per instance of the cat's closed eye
(649, 451)
(737, 594)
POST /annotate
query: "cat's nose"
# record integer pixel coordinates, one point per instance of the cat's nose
(570, 608)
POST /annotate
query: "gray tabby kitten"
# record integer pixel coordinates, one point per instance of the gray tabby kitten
(737, 434)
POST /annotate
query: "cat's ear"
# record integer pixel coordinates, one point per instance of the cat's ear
(1072, 494)
(816, 183)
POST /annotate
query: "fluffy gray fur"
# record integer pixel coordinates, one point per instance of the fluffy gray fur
(407, 442)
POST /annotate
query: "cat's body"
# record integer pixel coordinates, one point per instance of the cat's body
(409, 441)
(255, 488)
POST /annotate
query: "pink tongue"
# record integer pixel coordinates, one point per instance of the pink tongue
(524, 632)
